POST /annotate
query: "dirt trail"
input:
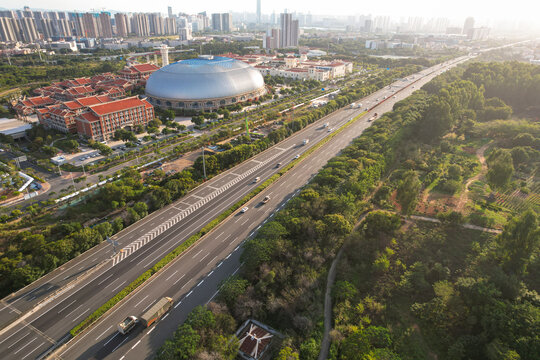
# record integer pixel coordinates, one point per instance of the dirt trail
(465, 194)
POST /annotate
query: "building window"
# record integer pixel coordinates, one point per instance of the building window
(181, 104)
(209, 103)
(168, 103)
(222, 102)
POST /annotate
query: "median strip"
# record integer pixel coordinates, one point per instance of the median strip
(96, 315)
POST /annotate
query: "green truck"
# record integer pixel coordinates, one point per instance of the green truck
(148, 318)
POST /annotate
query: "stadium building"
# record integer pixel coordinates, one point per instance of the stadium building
(204, 83)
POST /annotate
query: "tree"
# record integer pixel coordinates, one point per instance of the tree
(231, 289)
(436, 121)
(519, 240)
(183, 345)
(501, 168)
(407, 192)
(287, 354)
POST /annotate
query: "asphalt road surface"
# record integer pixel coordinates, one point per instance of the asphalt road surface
(191, 279)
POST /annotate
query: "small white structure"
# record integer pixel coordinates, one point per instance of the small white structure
(164, 49)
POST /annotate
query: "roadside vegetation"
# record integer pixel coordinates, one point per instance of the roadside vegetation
(408, 289)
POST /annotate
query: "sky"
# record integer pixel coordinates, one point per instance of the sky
(510, 10)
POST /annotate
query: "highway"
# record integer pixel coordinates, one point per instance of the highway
(191, 279)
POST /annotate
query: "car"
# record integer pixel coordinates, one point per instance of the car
(394, 96)
(278, 165)
(330, 130)
(256, 179)
(376, 99)
(266, 199)
(384, 97)
(244, 209)
(297, 156)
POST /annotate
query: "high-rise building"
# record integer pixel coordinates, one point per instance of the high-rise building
(289, 31)
(468, 25)
(105, 25)
(216, 22)
(156, 24)
(91, 25)
(121, 21)
(27, 28)
(226, 22)
(258, 11)
(170, 26)
(140, 24)
(271, 40)
(169, 11)
(222, 22)
(8, 32)
(77, 22)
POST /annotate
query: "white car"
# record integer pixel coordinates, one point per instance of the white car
(296, 157)
(244, 209)
(256, 179)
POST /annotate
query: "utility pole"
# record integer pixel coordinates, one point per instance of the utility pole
(203, 165)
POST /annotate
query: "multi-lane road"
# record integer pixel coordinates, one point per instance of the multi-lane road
(82, 285)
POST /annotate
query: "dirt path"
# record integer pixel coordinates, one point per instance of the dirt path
(465, 194)
(325, 344)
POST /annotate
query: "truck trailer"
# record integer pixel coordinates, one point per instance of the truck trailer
(156, 311)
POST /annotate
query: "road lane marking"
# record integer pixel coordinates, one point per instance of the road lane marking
(119, 286)
(210, 273)
(180, 278)
(65, 307)
(194, 256)
(175, 306)
(81, 314)
(228, 256)
(189, 293)
(77, 308)
(139, 303)
(111, 339)
(213, 296)
(37, 347)
(164, 318)
(117, 346)
(226, 238)
(103, 333)
(219, 264)
(138, 342)
(107, 278)
(9, 347)
(200, 282)
(204, 257)
(221, 233)
(28, 343)
(214, 258)
(167, 279)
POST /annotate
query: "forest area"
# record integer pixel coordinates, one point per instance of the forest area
(405, 288)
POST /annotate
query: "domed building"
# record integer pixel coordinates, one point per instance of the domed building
(204, 83)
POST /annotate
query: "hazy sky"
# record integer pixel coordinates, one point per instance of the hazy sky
(512, 10)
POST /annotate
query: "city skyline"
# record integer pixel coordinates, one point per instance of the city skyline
(457, 10)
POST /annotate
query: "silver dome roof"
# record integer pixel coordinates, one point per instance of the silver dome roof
(203, 78)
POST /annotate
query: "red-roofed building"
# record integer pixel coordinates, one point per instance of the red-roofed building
(255, 339)
(30, 105)
(97, 117)
(137, 73)
(102, 120)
